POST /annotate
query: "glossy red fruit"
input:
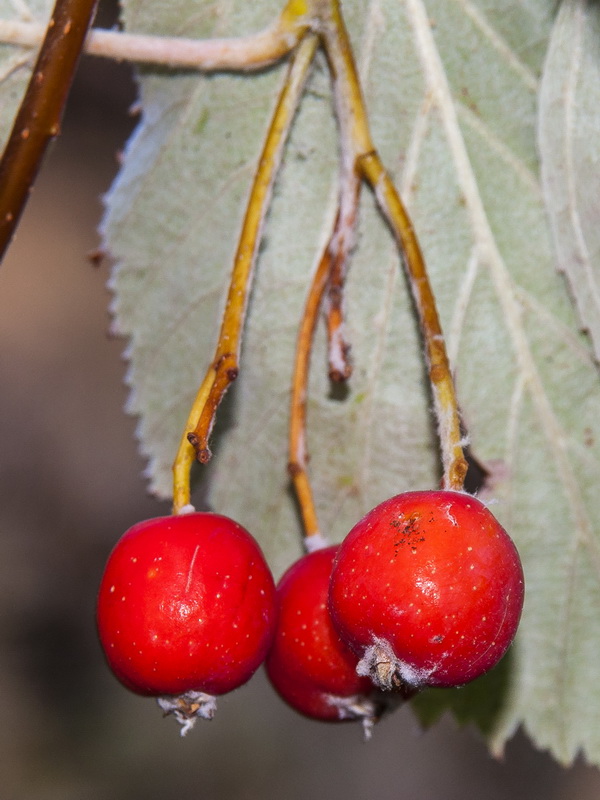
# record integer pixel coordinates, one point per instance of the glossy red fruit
(308, 664)
(427, 589)
(186, 604)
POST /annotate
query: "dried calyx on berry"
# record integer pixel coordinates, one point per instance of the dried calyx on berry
(186, 611)
(310, 667)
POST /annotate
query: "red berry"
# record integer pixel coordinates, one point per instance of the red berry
(308, 664)
(186, 605)
(427, 589)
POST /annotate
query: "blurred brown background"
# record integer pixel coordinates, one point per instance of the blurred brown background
(70, 484)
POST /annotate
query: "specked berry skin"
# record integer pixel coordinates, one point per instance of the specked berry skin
(308, 664)
(186, 604)
(427, 589)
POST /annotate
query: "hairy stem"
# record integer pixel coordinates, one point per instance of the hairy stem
(38, 119)
(440, 376)
(224, 367)
(356, 142)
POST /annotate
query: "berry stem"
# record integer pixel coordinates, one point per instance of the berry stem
(330, 275)
(357, 146)
(298, 456)
(224, 367)
(440, 375)
(186, 455)
(332, 255)
(39, 116)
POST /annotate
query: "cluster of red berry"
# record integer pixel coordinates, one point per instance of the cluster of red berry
(426, 590)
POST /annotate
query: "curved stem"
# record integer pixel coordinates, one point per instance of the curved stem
(331, 265)
(185, 453)
(224, 367)
(328, 283)
(38, 118)
(440, 376)
(357, 144)
(298, 456)
(244, 53)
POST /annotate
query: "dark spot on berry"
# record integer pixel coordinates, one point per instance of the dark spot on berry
(409, 530)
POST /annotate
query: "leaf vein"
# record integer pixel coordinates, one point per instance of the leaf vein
(499, 44)
(497, 146)
(492, 258)
(570, 105)
(460, 306)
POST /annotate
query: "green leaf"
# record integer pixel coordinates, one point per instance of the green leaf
(569, 141)
(451, 89)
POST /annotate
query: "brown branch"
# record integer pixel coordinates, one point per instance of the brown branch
(38, 119)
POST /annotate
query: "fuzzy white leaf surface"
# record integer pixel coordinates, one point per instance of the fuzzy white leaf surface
(569, 142)
(451, 89)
